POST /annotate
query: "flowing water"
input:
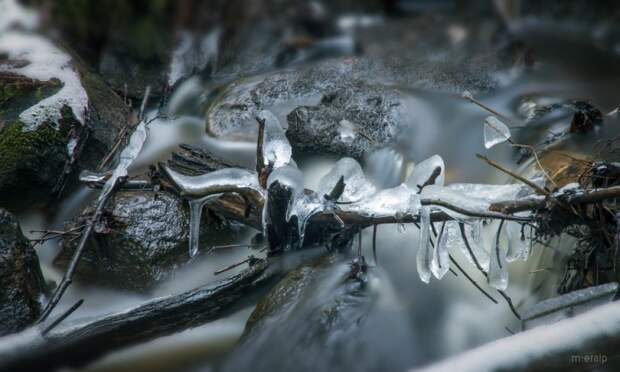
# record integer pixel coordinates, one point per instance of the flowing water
(443, 317)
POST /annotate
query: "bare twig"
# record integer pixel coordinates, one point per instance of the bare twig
(62, 317)
(531, 184)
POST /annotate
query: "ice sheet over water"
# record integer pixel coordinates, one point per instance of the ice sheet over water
(495, 131)
(356, 188)
(46, 62)
(425, 251)
(424, 171)
(276, 148)
(440, 264)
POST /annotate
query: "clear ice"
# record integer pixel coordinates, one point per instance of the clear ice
(195, 215)
(424, 255)
(397, 201)
(356, 188)
(498, 271)
(346, 132)
(276, 148)
(219, 181)
(495, 132)
(423, 171)
(440, 263)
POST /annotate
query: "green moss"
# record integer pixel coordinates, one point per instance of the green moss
(18, 93)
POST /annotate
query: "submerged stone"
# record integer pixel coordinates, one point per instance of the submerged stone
(22, 283)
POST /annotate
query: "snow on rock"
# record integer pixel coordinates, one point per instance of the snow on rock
(13, 15)
(356, 188)
(495, 132)
(45, 62)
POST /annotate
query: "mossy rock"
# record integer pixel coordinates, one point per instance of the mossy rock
(21, 278)
(35, 163)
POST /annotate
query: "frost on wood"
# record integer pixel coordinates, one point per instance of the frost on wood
(44, 62)
(495, 132)
(277, 150)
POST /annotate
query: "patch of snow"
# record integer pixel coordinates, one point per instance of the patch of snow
(46, 62)
(13, 15)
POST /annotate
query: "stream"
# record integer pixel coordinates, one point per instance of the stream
(418, 322)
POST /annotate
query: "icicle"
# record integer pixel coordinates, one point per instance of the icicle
(474, 245)
(498, 271)
(356, 188)
(440, 263)
(429, 172)
(292, 178)
(424, 255)
(518, 244)
(195, 214)
(495, 131)
(276, 148)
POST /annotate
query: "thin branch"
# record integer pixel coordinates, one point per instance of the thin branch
(531, 184)
(62, 317)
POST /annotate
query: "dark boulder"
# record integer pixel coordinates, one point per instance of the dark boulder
(22, 283)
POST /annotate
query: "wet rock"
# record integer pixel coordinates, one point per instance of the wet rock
(46, 121)
(348, 122)
(21, 278)
(142, 238)
(328, 314)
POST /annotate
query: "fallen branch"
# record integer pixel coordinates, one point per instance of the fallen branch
(80, 344)
(561, 346)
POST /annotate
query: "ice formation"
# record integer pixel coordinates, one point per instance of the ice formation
(45, 62)
(425, 254)
(397, 201)
(495, 132)
(276, 148)
(195, 215)
(346, 132)
(223, 180)
(440, 263)
(356, 188)
(498, 271)
(429, 171)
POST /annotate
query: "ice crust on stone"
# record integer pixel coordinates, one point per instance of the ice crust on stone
(440, 263)
(276, 148)
(495, 132)
(346, 131)
(356, 188)
(385, 168)
(423, 171)
(424, 254)
(45, 62)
